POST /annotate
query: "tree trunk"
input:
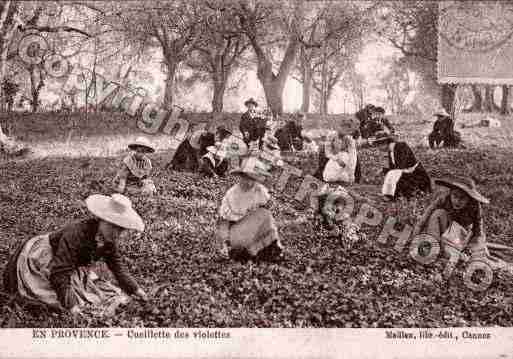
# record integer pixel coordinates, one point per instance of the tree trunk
(172, 66)
(36, 84)
(448, 94)
(8, 25)
(477, 106)
(219, 87)
(505, 100)
(307, 90)
(274, 95)
(488, 103)
(306, 77)
(323, 108)
(274, 84)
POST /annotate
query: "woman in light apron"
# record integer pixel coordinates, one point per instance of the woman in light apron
(246, 228)
(342, 160)
(405, 175)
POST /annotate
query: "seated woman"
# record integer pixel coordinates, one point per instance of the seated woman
(405, 175)
(455, 217)
(290, 137)
(55, 268)
(326, 141)
(246, 229)
(443, 131)
(342, 160)
(188, 154)
(214, 162)
(136, 169)
(270, 153)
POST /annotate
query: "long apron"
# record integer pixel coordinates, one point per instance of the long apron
(254, 232)
(33, 273)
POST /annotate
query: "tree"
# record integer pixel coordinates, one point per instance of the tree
(172, 26)
(356, 84)
(219, 50)
(505, 108)
(411, 26)
(271, 23)
(9, 22)
(396, 83)
(331, 41)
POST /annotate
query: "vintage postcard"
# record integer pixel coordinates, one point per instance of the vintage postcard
(256, 179)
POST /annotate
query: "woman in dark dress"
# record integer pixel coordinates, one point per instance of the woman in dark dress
(405, 175)
(55, 268)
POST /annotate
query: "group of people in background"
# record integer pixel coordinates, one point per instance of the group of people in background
(52, 268)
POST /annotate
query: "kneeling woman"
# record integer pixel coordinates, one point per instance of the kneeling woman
(215, 162)
(342, 160)
(55, 268)
(246, 229)
(405, 175)
(136, 169)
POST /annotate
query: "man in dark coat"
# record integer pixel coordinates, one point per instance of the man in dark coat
(251, 126)
(443, 131)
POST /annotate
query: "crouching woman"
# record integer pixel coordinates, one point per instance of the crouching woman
(246, 229)
(405, 175)
(55, 268)
(136, 169)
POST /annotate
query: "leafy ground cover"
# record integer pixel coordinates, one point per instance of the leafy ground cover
(329, 280)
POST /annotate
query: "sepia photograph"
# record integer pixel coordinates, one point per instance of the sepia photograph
(215, 171)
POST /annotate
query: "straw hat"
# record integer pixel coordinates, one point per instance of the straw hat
(251, 101)
(465, 184)
(143, 143)
(253, 168)
(442, 113)
(116, 209)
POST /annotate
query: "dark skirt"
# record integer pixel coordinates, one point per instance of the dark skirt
(417, 181)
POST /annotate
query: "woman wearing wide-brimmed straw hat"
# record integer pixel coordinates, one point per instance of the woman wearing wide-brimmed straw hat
(455, 218)
(136, 168)
(55, 268)
(246, 229)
